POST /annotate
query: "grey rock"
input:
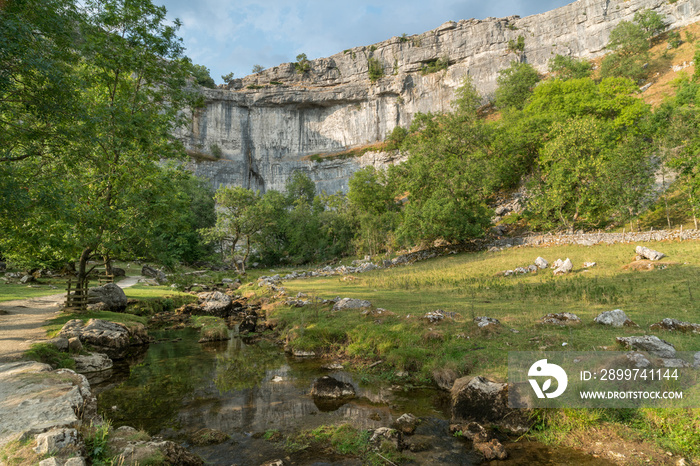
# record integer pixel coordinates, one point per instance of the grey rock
(588, 265)
(50, 462)
(55, 439)
(37, 399)
(75, 461)
(564, 268)
(151, 272)
(304, 354)
(477, 399)
(215, 303)
(561, 318)
(384, 434)
(696, 360)
(676, 325)
(674, 363)
(486, 322)
(110, 296)
(93, 362)
(74, 345)
(27, 279)
(650, 343)
(330, 388)
(350, 303)
(111, 338)
(616, 318)
(61, 344)
(638, 360)
(407, 423)
(492, 450)
(649, 253)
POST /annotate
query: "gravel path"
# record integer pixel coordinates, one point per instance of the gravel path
(23, 323)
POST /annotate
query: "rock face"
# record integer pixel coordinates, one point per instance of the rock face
(476, 399)
(111, 338)
(263, 127)
(109, 297)
(34, 399)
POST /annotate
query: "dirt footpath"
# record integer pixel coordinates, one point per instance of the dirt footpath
(22, 320)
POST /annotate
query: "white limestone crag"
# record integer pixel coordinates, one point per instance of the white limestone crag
(261, 128)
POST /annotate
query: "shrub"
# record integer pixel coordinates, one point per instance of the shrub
(374, 68)
(302, 64)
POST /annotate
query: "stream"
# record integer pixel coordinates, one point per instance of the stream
(180, 386)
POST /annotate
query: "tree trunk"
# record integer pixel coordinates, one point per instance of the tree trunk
(81, 288)
(108, 264)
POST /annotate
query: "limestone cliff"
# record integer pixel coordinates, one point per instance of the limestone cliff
(265, 126)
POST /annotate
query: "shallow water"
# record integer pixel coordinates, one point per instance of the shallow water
(180, 386)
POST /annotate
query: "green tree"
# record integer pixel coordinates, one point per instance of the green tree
(585, 178)
(202, 76)
(227, 78)
(257, 69)
(447, 176)
(651, 22)
(238, 219)
(630, 51)
(374, 69)
(564, 67)
(132, 86)
(39, 106)
(515, 85)
(372, 199)
(300, 188)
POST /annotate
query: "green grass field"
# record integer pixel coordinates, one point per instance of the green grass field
(473, 285)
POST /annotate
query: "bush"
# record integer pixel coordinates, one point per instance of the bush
(302, 64)
(375, 70)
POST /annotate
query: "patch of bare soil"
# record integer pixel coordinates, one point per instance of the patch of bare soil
(647, 265)
(620, 445)
(21, 323)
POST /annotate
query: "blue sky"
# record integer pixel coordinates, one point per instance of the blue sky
(233, 36)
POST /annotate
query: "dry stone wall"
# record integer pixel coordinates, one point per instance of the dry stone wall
(589, 239)
(265, 126)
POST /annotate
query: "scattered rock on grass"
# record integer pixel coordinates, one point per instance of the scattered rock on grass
(616, 318)
(541, 262)
(650, 343)
(676, 325)
(649, 253)
(563, 267)
(350, 303)
(486, 322)
(561, 318)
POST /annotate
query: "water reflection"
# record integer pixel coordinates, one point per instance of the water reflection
(182, 386)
